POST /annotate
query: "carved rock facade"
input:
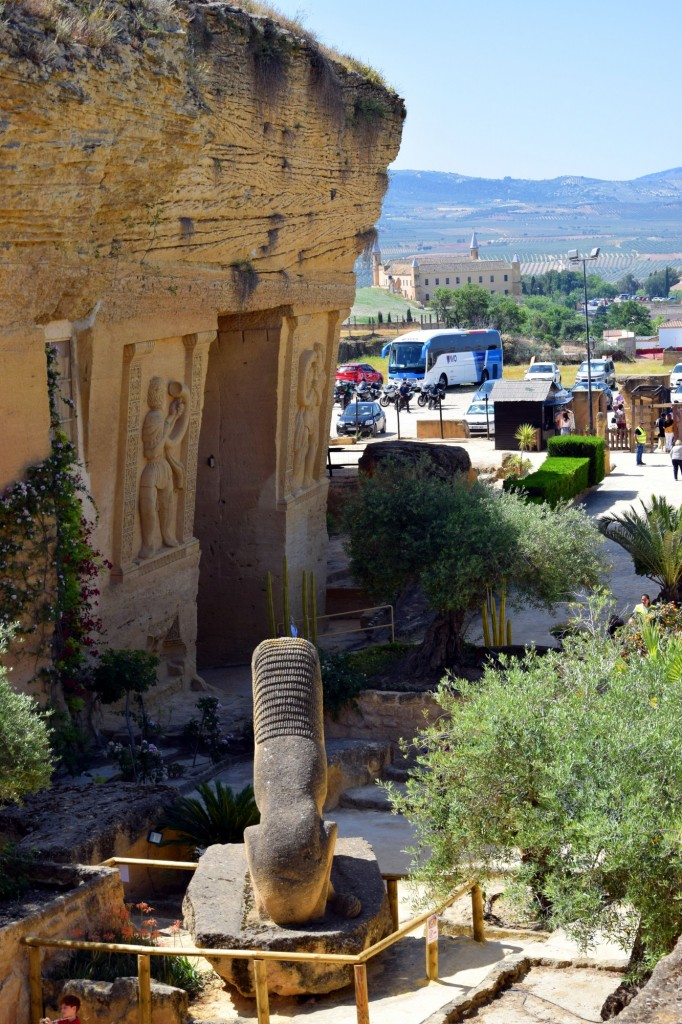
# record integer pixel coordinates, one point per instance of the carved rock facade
(185, 226)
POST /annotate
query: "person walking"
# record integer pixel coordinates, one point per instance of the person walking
(670, 431)
(640, 440)
(676, 456)
(660, 432)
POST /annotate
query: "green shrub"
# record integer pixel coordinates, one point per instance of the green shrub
(556, 480)
(578, 446)
(215, 816)
(26, 760)
(342, 681)
(380, 658)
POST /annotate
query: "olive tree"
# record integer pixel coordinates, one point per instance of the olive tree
(460, 542)
(26, 762)
(570, 767)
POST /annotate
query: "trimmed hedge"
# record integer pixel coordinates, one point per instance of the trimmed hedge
(557, 479)
(578, 446)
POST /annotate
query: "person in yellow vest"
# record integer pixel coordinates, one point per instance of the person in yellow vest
(640, 439)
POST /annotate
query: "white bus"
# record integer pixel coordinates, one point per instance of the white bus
(445, 356)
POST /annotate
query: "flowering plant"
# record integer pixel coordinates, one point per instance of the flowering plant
(140, 763)
(205, 733)
(129, 924)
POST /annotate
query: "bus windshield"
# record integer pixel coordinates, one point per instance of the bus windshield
(406, 357)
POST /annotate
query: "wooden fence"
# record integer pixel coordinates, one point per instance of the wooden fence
(259, 957)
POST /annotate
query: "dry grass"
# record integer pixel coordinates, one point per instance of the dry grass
(95, 26)
(298, 29)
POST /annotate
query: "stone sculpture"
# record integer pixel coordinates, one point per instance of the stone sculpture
(162, 474)
(307, 431)
(290, 853)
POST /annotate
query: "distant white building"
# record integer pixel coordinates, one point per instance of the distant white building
(417, 277)
(670, 334)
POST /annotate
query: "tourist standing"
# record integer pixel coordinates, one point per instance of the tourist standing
(669, 431)
(619, 417)
(676, 455)
(640, 440)
(660, 431)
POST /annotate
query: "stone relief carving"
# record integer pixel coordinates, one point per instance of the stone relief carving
(163, 474)
(290, 853)
(307, 429)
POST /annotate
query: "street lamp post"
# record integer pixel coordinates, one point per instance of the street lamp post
(574, 258)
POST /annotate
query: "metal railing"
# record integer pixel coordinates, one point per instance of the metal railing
(259, 957)
(354, 613)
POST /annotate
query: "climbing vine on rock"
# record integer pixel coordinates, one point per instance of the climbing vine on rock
(48, 566)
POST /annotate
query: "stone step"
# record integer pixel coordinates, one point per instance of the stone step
(368, 798)
(395, 773)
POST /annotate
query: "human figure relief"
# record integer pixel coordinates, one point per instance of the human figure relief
(307, 431)
(163, 474)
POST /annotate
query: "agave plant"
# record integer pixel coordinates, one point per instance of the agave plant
(653, 538)
(215, 816)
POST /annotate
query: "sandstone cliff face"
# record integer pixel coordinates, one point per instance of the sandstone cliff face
(146, 177)
(186, 203)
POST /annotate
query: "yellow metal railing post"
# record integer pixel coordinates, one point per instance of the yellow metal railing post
(477, 913)
(35, 983)
(392, 891)
(144, 989)
(260, 974)
(361, 998)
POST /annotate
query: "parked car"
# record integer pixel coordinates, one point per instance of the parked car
(676, 395)
(358, 371)
(485, 389)
(362, 417)
(601, 370)
(544, 371)
(475, 416)
(597, 385)
(676, 376)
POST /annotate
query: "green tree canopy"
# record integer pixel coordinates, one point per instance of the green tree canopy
(661, 281)
(629, 316)
(471, 306)
(628, 284)
(507, 315)
(441, 303)
(458, 542)
(570, 767)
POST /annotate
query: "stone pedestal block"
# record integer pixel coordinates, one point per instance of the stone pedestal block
(220, 913)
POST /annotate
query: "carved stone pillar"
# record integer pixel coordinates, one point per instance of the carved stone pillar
(124, 541)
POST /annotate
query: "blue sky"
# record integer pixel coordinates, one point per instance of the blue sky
(521, 87)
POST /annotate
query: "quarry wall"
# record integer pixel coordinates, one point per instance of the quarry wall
(180, 212)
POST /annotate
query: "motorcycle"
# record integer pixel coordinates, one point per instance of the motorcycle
(404, 402)
(435, 393)
(389, 395)
(343, 392)
(367, 391)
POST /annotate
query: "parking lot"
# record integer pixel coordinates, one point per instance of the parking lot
(457, 401)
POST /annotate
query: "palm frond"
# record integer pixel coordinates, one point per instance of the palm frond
(216, 815)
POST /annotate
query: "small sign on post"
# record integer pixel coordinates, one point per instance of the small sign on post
(432, 947)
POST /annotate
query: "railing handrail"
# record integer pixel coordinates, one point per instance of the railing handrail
(259, 957)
